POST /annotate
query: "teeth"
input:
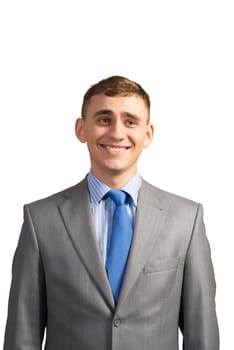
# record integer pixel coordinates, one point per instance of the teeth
(115, 149)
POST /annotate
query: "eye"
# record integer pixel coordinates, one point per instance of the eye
(130, 122)
(104, 121)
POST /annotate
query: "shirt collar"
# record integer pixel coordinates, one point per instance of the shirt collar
(98, 189)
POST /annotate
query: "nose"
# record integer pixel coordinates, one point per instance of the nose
(117, 130)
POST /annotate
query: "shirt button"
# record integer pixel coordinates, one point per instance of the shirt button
(117, 322)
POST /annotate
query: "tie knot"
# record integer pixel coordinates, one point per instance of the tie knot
(118, 196)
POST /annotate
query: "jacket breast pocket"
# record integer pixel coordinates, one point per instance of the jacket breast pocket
(160, 265)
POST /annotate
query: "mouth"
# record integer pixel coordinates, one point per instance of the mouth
(115, 149)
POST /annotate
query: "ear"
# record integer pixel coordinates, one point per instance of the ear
(149, 135)
(80, 131)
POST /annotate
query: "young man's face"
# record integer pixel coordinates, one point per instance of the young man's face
(116, 130)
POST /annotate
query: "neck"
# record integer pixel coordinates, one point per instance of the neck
(114, 181)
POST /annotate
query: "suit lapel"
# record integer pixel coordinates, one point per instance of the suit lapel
(151, 210)
(77, 217)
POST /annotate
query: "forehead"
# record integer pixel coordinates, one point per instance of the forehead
(119, 104)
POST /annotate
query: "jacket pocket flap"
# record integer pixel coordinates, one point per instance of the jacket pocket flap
(161, 265)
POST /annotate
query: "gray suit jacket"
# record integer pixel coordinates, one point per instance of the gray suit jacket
(59, 281)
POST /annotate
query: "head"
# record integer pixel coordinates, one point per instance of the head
(115, 124)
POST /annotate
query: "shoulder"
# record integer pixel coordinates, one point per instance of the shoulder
(172, 200)
(53, 200)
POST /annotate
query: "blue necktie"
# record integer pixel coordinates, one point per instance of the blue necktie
(120, 242)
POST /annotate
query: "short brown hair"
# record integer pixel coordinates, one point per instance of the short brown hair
(113, 86)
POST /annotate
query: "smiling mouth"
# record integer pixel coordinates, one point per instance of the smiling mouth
(117, 149)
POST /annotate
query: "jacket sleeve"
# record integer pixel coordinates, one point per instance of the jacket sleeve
(26, 319)
(198, 321)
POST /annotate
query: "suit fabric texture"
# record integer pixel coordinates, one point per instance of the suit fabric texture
(59, 282)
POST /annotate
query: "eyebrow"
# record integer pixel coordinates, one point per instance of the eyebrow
(110, 112)
(103, 111)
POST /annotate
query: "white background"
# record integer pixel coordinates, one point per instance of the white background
(181, 52)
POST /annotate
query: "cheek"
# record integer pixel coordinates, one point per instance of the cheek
(92, 135)
(95, 132)
(140, 140)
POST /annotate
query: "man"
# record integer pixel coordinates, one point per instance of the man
(98, 274)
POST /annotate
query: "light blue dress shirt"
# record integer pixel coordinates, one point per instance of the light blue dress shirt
(103, 209)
